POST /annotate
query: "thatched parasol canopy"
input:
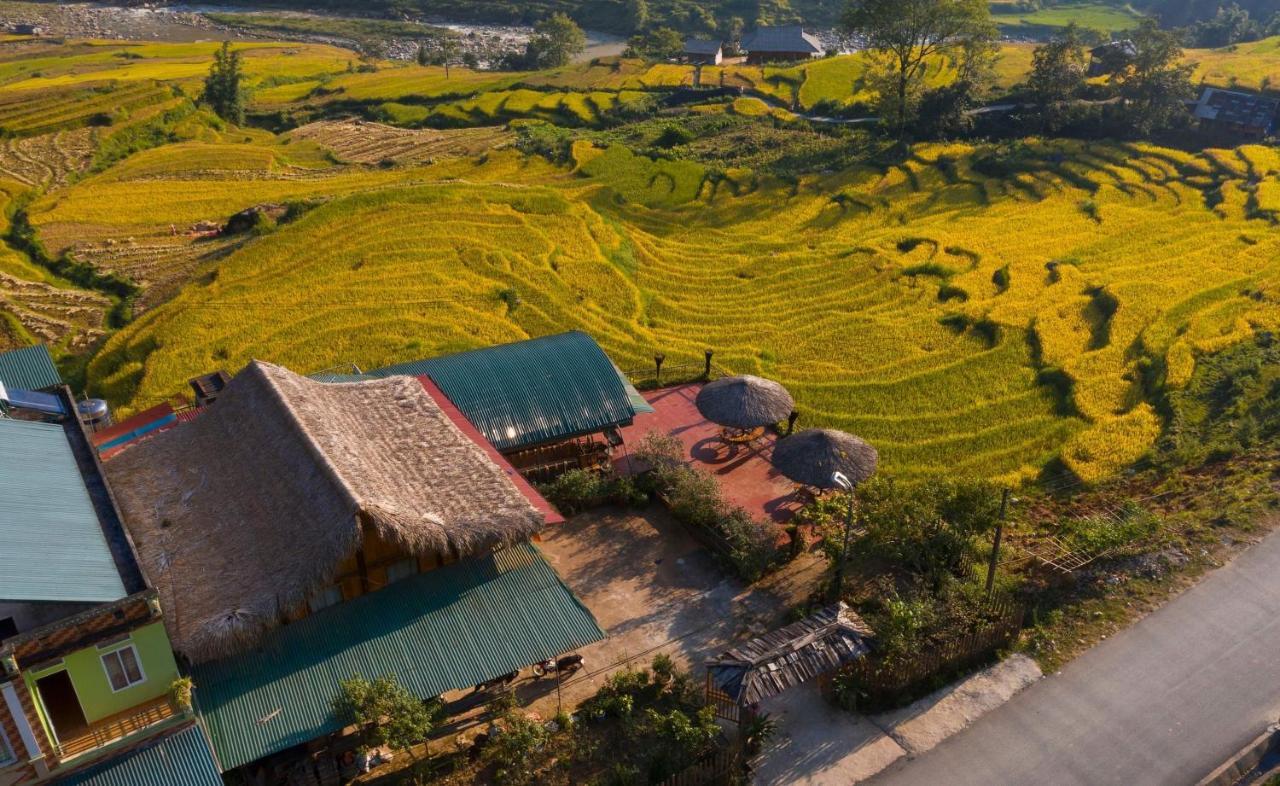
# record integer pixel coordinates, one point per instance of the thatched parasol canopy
(241, 514)
(744, 402)
(811, 456)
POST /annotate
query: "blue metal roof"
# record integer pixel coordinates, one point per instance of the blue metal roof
(446, 629)
(530, 392)
(181, 759)
(52, 547)
(28, 368)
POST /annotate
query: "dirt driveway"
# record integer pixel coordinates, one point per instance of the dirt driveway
(654, 589)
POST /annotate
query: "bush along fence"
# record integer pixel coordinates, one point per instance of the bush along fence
(882, 682)
(749, 546)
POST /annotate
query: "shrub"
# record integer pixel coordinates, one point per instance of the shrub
(576, 490)
(1104, 533)
(513, 749)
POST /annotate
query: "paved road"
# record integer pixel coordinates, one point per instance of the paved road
(1163, 702)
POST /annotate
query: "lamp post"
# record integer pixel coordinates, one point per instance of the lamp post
(840, 480)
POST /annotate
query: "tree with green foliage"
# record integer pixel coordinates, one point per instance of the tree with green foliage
(1058, 68)
(223, 89)
(1231, 24)
(556, 41)
(385, 712)
(1157, 83)
(907, 36)
(656, 43)
(443, 50)
(637, 15)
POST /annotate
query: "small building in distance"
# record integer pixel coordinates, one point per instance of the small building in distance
(1229, 113)
(703, 51)
(1110, 57)
(772, 44)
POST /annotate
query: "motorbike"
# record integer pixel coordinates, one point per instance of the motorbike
(564, 665)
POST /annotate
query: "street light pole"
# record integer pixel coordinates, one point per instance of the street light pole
(840, 480)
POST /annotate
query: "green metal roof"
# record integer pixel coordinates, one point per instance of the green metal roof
(531, 392)
(52, 547)
(28, 368)
(442, 630)
(181, 759)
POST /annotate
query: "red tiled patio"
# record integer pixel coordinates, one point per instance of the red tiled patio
(745, 474)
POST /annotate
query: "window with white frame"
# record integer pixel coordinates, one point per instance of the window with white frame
(124, 669)
(7, 756)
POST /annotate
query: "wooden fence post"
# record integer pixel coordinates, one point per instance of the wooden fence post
(995, 545)
(706, 370)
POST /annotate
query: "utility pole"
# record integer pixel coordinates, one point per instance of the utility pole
(995, 546)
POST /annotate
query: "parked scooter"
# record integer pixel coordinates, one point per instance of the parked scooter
(564, 665)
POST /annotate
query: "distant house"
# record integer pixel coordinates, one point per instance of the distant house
(1234, 114)
(295, 528)
(703, 51)
(547, 404)
(86, 667)
(771, 44)
(1110, 57)
(27, 29)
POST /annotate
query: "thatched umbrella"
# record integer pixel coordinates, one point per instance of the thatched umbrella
(744, 402)
(812, 456)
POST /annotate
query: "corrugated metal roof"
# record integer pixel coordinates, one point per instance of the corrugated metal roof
(181, 759)
(530, 392)
(701, 46)
(787, 39)
(52, 547)
(29, 368)
(443, 630)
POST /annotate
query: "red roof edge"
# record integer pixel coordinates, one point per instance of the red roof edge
(550, 514)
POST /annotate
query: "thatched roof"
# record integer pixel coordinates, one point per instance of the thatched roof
(790, 656)
(242, 513)
(744, 402)
(813, 455)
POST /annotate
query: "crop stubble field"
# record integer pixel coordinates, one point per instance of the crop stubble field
(976, 309)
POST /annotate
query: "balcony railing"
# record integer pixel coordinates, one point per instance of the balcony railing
(116, 727)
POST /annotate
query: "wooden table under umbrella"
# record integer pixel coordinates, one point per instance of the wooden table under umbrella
(744, 405)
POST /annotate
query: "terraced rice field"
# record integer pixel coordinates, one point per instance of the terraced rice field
(362, 142)
(49, 160)
(972, 310)
(34, 306)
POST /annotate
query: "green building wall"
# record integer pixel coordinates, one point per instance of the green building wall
(92, 686)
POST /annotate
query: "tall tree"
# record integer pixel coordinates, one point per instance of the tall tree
(656, 43)
(443, 50)
(1157, 84)
(907, 35)
(1058, 68)
(385, 712)
(637, 12)
(556, 41)
(223, 90)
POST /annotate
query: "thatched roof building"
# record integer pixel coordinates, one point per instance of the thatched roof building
(241, 514)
